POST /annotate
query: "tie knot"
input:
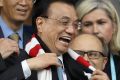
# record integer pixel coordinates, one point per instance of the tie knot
(15, 37)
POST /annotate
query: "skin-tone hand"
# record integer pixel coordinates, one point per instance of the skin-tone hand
(99, 75)
(43, 61)
(8, 47)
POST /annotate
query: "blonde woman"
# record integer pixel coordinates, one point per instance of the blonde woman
(99, 17)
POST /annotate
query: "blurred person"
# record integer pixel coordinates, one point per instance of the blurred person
(99, 17)
(13, 15)
(93, 50)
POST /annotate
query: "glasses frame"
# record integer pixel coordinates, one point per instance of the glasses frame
(62, 23)
(82, 53)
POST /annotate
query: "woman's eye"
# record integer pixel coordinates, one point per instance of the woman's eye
(87, 24)
(101, 22)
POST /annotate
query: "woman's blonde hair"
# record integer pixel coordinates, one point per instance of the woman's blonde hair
(89, 5)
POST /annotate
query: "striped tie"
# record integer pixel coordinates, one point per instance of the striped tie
(15, 37)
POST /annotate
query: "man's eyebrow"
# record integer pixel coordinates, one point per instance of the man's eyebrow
(65, 17)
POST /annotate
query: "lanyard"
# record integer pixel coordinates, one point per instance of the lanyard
(112, 64)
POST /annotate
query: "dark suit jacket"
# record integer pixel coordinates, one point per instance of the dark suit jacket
(75, 70)
(11, 67)
(117, 67)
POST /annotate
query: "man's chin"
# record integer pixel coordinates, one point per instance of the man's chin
(21, 18)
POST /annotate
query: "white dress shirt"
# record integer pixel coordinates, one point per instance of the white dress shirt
(27, 71)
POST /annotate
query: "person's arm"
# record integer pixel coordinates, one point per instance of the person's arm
(12, 73)
(36, 63)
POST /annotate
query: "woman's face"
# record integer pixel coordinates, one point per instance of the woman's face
(97, 22)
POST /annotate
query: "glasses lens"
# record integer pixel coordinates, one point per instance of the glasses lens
(77, 24)
(90, 54)
(81, 53)
(94, 54)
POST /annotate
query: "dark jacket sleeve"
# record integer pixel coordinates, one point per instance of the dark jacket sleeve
(13, 65)
(14, 69)
(13, 73)
(2, 64)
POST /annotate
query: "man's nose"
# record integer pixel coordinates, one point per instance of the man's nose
(86, 57)
(23, 2)
(71, 30)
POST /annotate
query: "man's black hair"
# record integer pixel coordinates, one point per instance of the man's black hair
(40, 8)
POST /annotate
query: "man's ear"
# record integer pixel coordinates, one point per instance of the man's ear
(104, 62)
(39, 23)
(1, 3)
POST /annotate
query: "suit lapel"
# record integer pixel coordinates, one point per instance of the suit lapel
(26, 37)
(75, 72)
(66, 66)
(67, 74)
(54, 73)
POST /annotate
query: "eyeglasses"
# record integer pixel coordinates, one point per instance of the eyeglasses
(66, 22)
(91, 54)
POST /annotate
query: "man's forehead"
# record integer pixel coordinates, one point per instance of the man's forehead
(59, 9)
(87, 40)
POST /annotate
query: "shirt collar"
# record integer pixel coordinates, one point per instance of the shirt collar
(61, 59)
(7, 31)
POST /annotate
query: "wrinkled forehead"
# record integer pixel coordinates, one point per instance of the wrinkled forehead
(60, 9)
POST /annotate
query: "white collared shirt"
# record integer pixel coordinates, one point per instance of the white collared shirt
(7, 31)
(27, 71)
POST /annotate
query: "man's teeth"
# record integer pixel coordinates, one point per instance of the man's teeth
(65, 39)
